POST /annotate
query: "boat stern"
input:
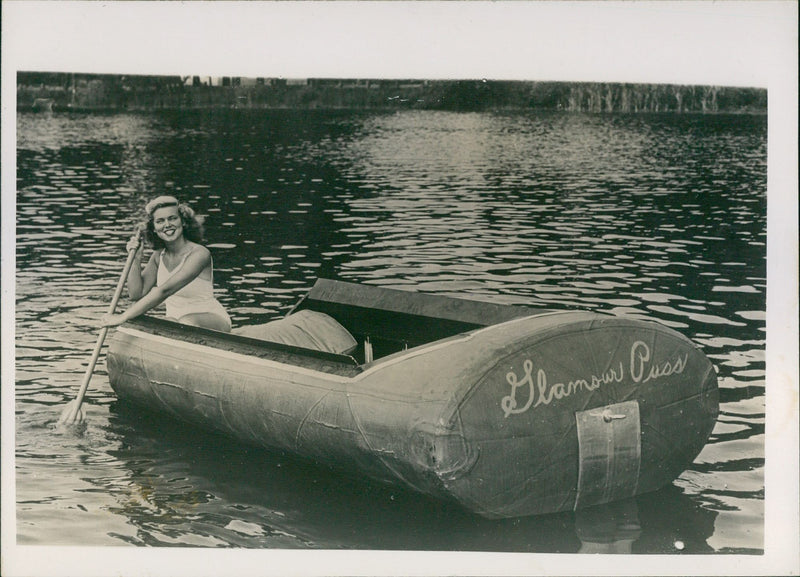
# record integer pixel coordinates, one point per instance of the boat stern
(574, 410)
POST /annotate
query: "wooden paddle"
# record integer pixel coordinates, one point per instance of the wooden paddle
(72, 413)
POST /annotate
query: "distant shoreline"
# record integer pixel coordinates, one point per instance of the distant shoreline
(60, 92)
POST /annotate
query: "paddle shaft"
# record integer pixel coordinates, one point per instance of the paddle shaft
(101, 338)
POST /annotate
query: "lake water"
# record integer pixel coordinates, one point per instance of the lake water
(652, 216)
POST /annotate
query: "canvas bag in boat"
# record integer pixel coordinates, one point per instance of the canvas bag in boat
(307, 329)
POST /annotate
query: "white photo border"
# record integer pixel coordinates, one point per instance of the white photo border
(750, 44)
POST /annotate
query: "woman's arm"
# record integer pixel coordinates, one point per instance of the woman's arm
(134, 281)
(150, 273)
(191, 268)
(141, 281)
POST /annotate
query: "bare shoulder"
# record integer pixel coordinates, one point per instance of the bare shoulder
(200, 252)
(199, 249)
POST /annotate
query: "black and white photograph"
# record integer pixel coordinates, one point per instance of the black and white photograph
(488, 288)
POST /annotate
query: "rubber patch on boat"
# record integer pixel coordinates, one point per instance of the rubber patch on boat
(609, 453)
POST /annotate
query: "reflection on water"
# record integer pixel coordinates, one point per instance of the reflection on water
(179, 487)
(658, 217)
(610, 528)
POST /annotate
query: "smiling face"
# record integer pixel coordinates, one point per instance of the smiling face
(167, 223)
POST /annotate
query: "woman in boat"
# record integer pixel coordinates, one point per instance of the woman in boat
(179, 272)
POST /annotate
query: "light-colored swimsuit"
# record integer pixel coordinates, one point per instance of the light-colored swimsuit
(195, 297)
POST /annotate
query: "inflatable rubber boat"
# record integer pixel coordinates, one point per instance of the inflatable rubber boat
(508, 410)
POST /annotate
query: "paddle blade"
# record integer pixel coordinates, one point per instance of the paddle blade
(72, 415)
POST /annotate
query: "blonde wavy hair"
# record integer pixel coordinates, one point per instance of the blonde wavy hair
(192, 224)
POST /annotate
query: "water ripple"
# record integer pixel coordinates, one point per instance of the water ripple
(655, 217)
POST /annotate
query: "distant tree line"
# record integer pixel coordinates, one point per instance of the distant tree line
(62, 91)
